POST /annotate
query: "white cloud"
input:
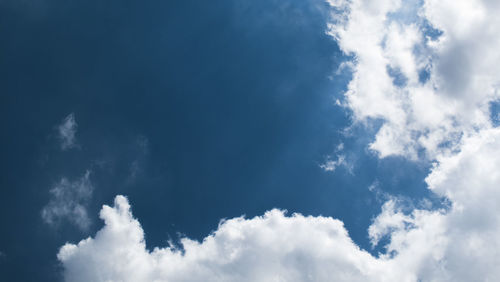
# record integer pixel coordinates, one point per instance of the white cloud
(446, 116)
(69, 200)
(331, 165)
(273, 247)
(459, 244)
(67, 132)
(462, 64)
(339, 161)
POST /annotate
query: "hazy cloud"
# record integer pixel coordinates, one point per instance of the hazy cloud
(67, 132)
(69, 200)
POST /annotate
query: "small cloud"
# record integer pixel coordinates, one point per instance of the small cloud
(380, 195)
(333, 164)
(69, 202)
(349, 65)
(340, 147)
(134, 170)
(67, 132)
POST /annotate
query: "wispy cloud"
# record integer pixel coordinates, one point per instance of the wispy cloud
(69, 200)
(339, 161)
(331, 165)
(67, 132)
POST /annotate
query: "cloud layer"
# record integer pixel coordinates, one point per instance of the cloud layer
(428, 70)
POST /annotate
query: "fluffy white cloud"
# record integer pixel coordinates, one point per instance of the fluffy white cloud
(273, 247)
(458, 244)
(393, 47)
(67, 132)
(446, 115)
(432, 94)
(69, 200)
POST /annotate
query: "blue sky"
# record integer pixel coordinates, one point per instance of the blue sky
(199, 111)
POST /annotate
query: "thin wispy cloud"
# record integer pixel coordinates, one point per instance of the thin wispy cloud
(340, 160)
(331, 165)
(67, 133)
(69, 201)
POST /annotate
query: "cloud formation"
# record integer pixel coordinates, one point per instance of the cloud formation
(67, 132)
(458, 244)
(69, 200)
(331, 164)
(428, 70)
(273, 247)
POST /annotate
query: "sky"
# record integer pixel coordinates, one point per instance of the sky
(282, 140)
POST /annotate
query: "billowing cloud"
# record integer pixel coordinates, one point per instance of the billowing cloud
(457, 244)
(67, 132)
(273, 247)
(428, 70)
(69, 200)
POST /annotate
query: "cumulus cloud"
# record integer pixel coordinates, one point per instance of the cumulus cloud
(458, 244)
(69, 200)
(67, 132)
(273, 247)
(428, 70)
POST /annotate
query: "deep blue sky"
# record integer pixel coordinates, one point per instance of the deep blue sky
(224, 108)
